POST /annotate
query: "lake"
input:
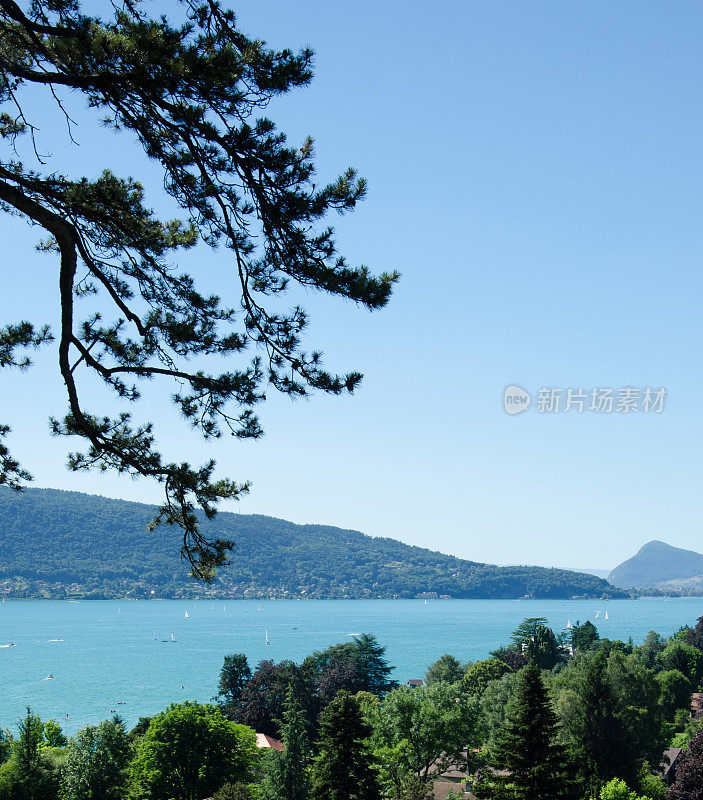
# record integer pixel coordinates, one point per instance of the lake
(103, 654)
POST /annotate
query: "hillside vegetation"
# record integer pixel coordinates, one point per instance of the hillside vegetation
(56, 543)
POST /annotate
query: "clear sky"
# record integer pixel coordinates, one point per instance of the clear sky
(536, 173)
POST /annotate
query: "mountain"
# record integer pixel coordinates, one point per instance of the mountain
(659, 565)
(66, 544)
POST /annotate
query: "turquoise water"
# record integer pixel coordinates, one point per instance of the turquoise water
(104, 657)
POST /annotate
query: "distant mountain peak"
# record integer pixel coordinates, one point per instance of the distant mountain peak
(660, 565)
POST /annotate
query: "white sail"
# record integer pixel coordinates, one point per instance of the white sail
(606, 615)
(186, 615)
(569, 625)
(173, 638)
(267, 637)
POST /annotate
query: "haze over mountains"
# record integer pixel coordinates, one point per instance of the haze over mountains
(659, 565)
(66, 544)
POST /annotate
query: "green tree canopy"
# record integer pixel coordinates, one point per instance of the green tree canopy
(685, 658)
(189, 750)
(264, 696)
(234, 676)
(531, 763)
(583, 637)
(674, 692)
(191, 95)
(651, 649)
(609, 709)
(53, 735)
(373, 668)
(288, 772)
(481, 673)
(422, 732)
(446, 668)
(534, 639)
(617, 789)
(29, 773)
(96, 762)
(344, 768)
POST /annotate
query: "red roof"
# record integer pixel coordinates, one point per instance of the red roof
(264, 741)
(415, 682)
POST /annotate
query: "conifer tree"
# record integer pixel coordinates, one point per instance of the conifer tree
(538, 766)
(288, 773)
(343, 768)
(234, 676)
(597, 730)
(191, 95)
(31, 775)
(536, 640)
(373, 669)
(585, 636)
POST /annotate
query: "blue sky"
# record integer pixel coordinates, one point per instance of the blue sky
(536, 173)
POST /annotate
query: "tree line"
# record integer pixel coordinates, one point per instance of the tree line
(548, 716)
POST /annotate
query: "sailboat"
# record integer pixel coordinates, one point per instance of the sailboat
(154, 635)
(425, 601)
(569, 625)
(186, 615)
(173, 638)
(606, 615)
(267, 637)
(597, 614)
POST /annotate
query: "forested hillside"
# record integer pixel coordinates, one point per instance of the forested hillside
(56, 543)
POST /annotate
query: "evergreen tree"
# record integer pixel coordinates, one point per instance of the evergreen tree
(534, 639)
(584, 637)
(234, 676)
(344, 769)
(29, 775)
(373, 669)
(264, 696)
(191, 95)
(527, 748)
(288, 772)
(597, 730)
